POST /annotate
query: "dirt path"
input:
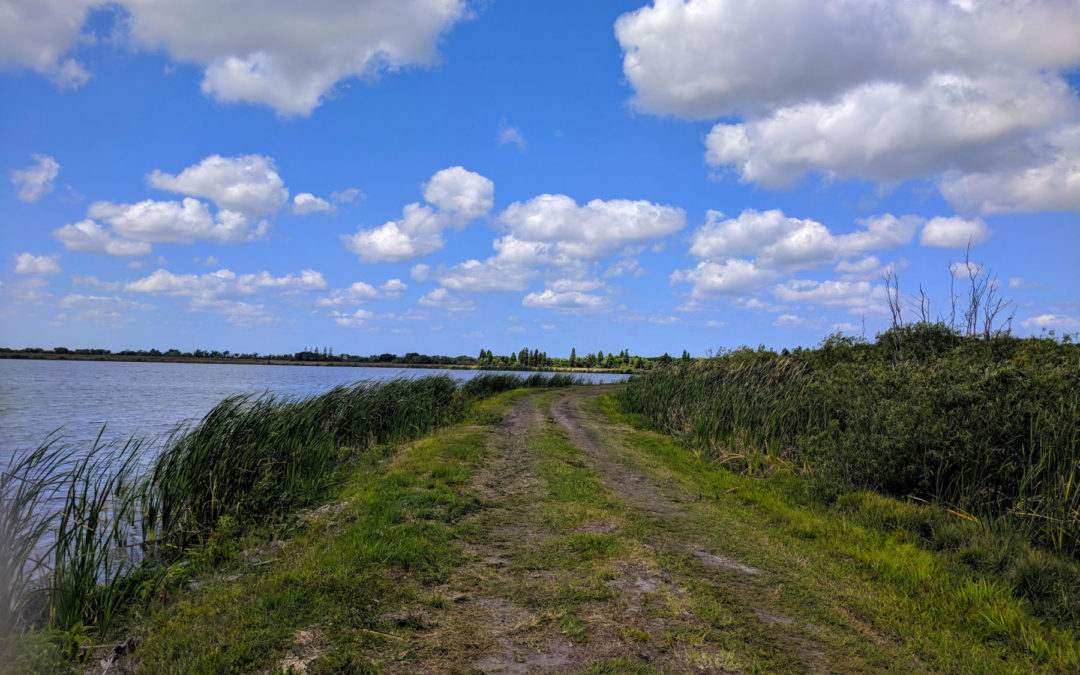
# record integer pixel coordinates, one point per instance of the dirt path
(582, 561)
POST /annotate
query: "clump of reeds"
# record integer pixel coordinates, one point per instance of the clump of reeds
(990, 427)
(76, 524)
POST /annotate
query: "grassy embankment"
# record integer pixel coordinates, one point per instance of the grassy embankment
(474, 548)
(977, 441)
(68, 514)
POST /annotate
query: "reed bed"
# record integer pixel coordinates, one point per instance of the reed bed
(989, 428)
(80, 527)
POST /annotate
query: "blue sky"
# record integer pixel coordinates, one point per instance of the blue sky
(441, 176)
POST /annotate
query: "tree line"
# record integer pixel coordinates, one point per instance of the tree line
(524, 359)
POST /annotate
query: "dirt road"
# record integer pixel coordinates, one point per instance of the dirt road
(588, 557)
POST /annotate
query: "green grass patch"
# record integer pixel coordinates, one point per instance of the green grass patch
(904, 568)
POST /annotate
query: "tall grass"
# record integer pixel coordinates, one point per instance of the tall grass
(78, 524)
(989, 427)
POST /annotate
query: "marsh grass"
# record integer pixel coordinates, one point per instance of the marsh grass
(83, 531)
(986, 428)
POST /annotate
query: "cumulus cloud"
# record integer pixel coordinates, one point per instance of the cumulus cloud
(224, 284)
(87, 236)
(1062, 322)
(176, 222)
(954, 232)
(417, 233)
(393, 287)
(1049, 181)
(971, 92)
(457, 195)
(778, 52)
(777, 240)
(856, 296)
(566, 301)
(286, 55)
(37, 34)
(777, 245)
(440, 298)
(595, 230)
(460, 192)
(732, 277)
(492, 274)
(38, 265)
(890, 131)
(305, 203)
(102, 303)
(354, 319)
(248, 184)
(867, 268)
(554, 231)
(36, 180)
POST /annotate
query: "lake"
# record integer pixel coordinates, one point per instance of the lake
(150, 399)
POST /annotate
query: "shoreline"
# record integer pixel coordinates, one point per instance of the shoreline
(283, 362)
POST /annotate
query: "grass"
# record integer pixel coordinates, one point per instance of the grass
(85, 534)
(989, 428)
(866, 557)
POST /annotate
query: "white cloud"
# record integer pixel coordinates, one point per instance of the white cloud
(288, 55)
(890, 131)
(305, 203)
(1050, 181)
(596, 230)
(458, 196)
(95, 283)
(346, 196)
(86, 236)
(1022, 284)
(176, 222)
(971, 91)
(440, 298)
(954, 232)
(584, 285)
(208, 261)
(661, 320)
(867, 268)
(510, 135)
(235, 311)
(394, 286)
(101, 303)
(224, 284)
(856, 296)
(566, 301)
(36, 34)
(420, 272)
(777, 240)
(1062, 322)
(731, 277)
(417, 233)
(709, 58)
(465, 194)
(358, 293)
(352, 320)
(35, 181)
(248, 184)
(39, 265)
(492, 274)
(624, 266)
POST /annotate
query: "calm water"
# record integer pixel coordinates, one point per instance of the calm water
(149, 399)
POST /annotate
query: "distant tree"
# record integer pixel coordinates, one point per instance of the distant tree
(573, 357)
